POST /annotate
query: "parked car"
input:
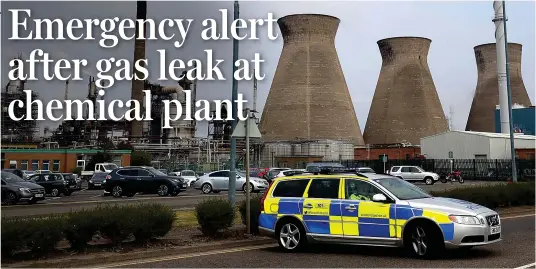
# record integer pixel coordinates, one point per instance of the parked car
(219, 181)
(27, 173)
(97, 180)
(286, 173)
(43, 171)
(414, 173)
(54, 183)
(316, 167)
(128, 181)
(362, 170)
(72, 181)
(189, 175)
(16, 172)
(15, 189)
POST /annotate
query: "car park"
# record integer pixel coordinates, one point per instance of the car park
(72, 181)
(373, 210)
(15, 190)
(54, 183)
(414, 173)
(219, 181)
(128, 181)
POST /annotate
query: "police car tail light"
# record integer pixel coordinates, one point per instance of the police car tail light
(264, 196)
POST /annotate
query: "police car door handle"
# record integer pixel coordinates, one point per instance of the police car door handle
(308, 206)
(350, 207)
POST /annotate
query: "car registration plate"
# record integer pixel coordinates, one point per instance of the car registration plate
(495, 230)
(39, 195)
(185, 185)
(97, 184)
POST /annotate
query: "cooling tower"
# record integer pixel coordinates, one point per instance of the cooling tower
(405, 106)
(139, 53)
(486, 98)
(309, 98)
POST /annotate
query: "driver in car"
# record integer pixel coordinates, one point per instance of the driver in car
(354, 193)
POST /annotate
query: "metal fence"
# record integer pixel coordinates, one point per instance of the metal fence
(477, 169)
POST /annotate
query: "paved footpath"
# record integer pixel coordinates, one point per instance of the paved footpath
(516, 250)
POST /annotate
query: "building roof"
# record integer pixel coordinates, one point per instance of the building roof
(490, 135)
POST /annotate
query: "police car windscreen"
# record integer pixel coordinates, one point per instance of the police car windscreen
(402, 189)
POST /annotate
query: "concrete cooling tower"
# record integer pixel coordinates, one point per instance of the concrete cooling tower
(405, 106)
(486, 98)
(309, 98)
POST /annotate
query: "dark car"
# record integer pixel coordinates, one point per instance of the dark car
(97, 180)
(53, 183)
(72, 181)
(128, 181)
(16, 172)
(16, 189)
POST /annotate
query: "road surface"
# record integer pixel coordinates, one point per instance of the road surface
(514, 251)
(186, 200)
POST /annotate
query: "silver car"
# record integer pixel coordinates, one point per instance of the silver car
(219, 181)
(414, 173)
(377, 210)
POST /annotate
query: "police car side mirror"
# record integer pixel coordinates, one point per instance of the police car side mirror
(380, 198)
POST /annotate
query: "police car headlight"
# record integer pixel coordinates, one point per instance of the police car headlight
(467, 220)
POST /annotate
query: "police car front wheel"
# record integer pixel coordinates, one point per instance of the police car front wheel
(422, 240)
(291, 236)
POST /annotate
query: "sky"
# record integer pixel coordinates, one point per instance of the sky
(455, 28)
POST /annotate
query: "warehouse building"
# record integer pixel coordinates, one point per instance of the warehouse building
(476, 145)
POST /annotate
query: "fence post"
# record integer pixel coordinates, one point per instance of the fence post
(496, 170)
(474, 169)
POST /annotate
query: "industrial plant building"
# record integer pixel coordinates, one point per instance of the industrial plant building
(486, 98)
(309, 112)
(476, 145)
(405, 106)
(523, 120)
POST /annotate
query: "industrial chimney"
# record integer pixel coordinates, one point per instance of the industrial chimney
(309, 98)
(486, 98)
(405, 106)
(139, 53)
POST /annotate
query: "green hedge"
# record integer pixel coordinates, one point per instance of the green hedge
(494, 196)
(215, 215)
(255, 211)
(116, 223)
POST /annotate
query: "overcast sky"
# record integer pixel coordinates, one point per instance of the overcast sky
(454, 28)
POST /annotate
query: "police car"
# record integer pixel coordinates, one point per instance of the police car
(374, 210)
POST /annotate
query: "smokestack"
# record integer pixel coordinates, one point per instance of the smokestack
(66, 89)
(309, 98)
(487, 94)
(405, 106)
(139, 53)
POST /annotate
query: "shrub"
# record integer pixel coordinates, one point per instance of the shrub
(214, 215)
(118, 222)
(494, 196)
(255, 211)
(13, 235)
(80, 227)
(42, 234)
(152, 221)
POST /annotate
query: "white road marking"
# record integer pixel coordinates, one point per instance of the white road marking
(526, 266)
(185, 256)
(518, 216)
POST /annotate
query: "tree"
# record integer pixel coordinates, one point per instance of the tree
(100, 157)
(140, 158)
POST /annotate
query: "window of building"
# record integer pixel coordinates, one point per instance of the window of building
(46, 165)
(35, 165)
(24, 165)
(324, 188)
(12, 164)
(56, 165)
(291, 188)
(81, 163)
